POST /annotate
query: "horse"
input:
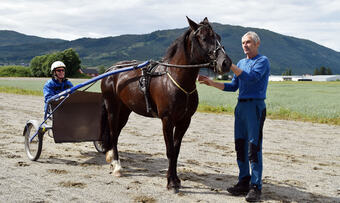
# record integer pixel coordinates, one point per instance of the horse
(172, 93)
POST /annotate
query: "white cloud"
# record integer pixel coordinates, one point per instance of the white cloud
(67, 19)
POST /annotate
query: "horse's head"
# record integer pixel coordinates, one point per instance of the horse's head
(206, 46)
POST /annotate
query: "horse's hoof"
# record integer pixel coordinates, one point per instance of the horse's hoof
(117, 173)
(175, 190)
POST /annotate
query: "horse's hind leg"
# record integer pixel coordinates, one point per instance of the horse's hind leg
(117, 120)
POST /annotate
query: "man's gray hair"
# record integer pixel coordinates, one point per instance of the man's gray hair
(253, 35)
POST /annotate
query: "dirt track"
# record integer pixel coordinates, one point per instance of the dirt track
(301, 162)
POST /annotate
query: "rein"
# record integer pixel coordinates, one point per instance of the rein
(184, 66)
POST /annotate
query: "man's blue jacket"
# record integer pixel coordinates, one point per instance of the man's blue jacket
(53, 87)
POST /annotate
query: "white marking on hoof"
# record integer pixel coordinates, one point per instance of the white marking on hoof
(117, 173)
(109, 156)
(117, 168)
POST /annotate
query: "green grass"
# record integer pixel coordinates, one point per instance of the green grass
(303, 101)
(310, 101)
(15, 90)
(37, 84)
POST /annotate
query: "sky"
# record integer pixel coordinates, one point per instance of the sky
(315, 20)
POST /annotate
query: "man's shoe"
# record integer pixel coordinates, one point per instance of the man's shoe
(254, 194)
(239, 189)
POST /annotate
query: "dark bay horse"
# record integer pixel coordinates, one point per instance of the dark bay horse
(173, 95)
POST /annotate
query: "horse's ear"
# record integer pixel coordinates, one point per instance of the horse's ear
(192, 24)
(206, 20)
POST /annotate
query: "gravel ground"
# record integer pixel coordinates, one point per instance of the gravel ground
(301, 162)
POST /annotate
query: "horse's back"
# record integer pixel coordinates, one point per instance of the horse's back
(124, 88)
(110, 81)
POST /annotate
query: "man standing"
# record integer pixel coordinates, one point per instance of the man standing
(251, 79)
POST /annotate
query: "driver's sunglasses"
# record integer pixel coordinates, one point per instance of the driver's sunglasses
(60, 70)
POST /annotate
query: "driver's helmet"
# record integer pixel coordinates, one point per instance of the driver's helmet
(57, 64)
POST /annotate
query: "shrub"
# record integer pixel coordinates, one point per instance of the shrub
(15, 71)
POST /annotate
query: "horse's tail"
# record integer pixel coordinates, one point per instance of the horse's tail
(105, 129)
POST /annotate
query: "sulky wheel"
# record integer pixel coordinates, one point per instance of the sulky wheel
(99, 146)
(33, 148)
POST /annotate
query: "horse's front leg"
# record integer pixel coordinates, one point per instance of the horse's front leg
(180, 130)
(168, 128)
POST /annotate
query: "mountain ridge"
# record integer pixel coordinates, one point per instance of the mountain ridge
(302, 56)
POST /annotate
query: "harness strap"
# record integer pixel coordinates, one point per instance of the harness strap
(181, 88)
(144, 84)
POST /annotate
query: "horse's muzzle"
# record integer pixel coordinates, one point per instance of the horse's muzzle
(223, 63)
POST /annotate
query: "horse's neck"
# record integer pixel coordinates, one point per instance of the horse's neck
(184, 76)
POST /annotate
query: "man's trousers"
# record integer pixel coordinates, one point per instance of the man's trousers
(250, 115)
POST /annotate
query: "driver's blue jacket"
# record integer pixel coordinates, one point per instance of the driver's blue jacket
(53, 87)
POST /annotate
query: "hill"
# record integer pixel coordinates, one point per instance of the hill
(9, 38)
(300, 55)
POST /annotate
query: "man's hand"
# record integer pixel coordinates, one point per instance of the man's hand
(207, 81)
(236, 69)
(204, 80)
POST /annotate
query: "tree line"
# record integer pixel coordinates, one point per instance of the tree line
(317, 71)
(323, 71)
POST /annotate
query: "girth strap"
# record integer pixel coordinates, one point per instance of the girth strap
(144, 84)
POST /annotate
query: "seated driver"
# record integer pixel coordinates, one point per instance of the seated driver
(58, 83)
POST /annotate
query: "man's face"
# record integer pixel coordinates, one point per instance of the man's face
(249, 46)
(60, 72)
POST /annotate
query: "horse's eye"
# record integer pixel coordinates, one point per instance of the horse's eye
(200, 37)
(203, 38)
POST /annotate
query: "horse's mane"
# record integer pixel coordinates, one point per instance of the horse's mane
(179, 43)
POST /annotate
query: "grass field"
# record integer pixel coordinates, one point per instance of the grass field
(304, 101)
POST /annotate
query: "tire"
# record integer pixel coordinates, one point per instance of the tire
(33, 148)
(99, 146)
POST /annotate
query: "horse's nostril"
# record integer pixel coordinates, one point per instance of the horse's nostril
(224, 64)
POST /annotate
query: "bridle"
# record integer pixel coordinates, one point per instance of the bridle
(213, 57)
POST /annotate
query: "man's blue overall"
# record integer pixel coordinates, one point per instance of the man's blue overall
(249, 119)
(250, 114)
